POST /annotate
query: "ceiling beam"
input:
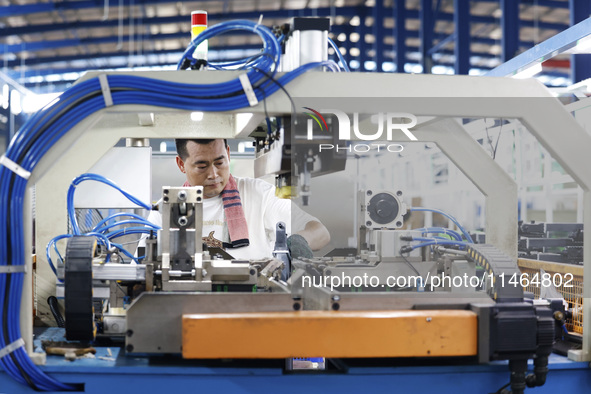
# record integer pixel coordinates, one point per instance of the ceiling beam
(28, 9)
(273, 14)
(75, 42)
(98, 23)
(30, 71)
(540, 3)
(99, 56)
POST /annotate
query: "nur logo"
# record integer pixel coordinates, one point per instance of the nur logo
(392, 121)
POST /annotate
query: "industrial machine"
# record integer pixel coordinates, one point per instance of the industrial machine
(466, 298)
(420, 293)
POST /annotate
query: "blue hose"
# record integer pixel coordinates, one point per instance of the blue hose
(339, 55)
(439, 230)
(454, 220)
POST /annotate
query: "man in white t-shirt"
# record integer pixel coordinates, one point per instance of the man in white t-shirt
(241, 213)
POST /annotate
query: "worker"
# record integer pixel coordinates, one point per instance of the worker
(241, 214)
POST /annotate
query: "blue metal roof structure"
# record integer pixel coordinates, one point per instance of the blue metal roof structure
(39, 38)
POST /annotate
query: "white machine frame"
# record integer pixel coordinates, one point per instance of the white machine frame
(421, 95)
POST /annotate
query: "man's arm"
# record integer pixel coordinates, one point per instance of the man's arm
(315, 234)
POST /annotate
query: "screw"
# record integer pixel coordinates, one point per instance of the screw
(336, 306)
(399, 193)
(129, 348)
(129, 333)
(297, 306)
(182, 195)
(368, 223)
(336, 298)
(369, 193)
(183, 221)
(428, 319)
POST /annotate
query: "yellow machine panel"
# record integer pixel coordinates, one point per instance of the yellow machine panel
(330, 334)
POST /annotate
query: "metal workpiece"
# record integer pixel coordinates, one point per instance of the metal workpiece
(114, 325)
(388, 243)
(273, 270)
(210, 273)
(281, 251)
(182, 209)
(107, 271)
(180, 239)
(149, 331)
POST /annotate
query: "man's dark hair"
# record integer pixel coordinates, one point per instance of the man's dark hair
(181, 145)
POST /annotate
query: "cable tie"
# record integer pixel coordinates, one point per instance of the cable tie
(11, 347)
(12, 166)
(106, 90)
(245, 81)
(258, 23)
(11, 269)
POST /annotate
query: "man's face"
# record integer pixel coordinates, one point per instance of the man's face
(207, 165)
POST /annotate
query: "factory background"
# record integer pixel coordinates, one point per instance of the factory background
(46, 46)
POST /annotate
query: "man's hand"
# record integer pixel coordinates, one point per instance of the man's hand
(316, 235)
(298, 247)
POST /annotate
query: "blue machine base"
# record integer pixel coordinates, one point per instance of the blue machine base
(165, 375)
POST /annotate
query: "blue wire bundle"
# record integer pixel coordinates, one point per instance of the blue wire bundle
(456, 238)
(46, 127)
(101, 233)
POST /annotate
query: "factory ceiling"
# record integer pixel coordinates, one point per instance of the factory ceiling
(46, 44)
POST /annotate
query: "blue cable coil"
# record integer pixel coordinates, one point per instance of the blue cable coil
(46, 127)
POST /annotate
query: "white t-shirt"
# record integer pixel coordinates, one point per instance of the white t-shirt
(262, 210)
